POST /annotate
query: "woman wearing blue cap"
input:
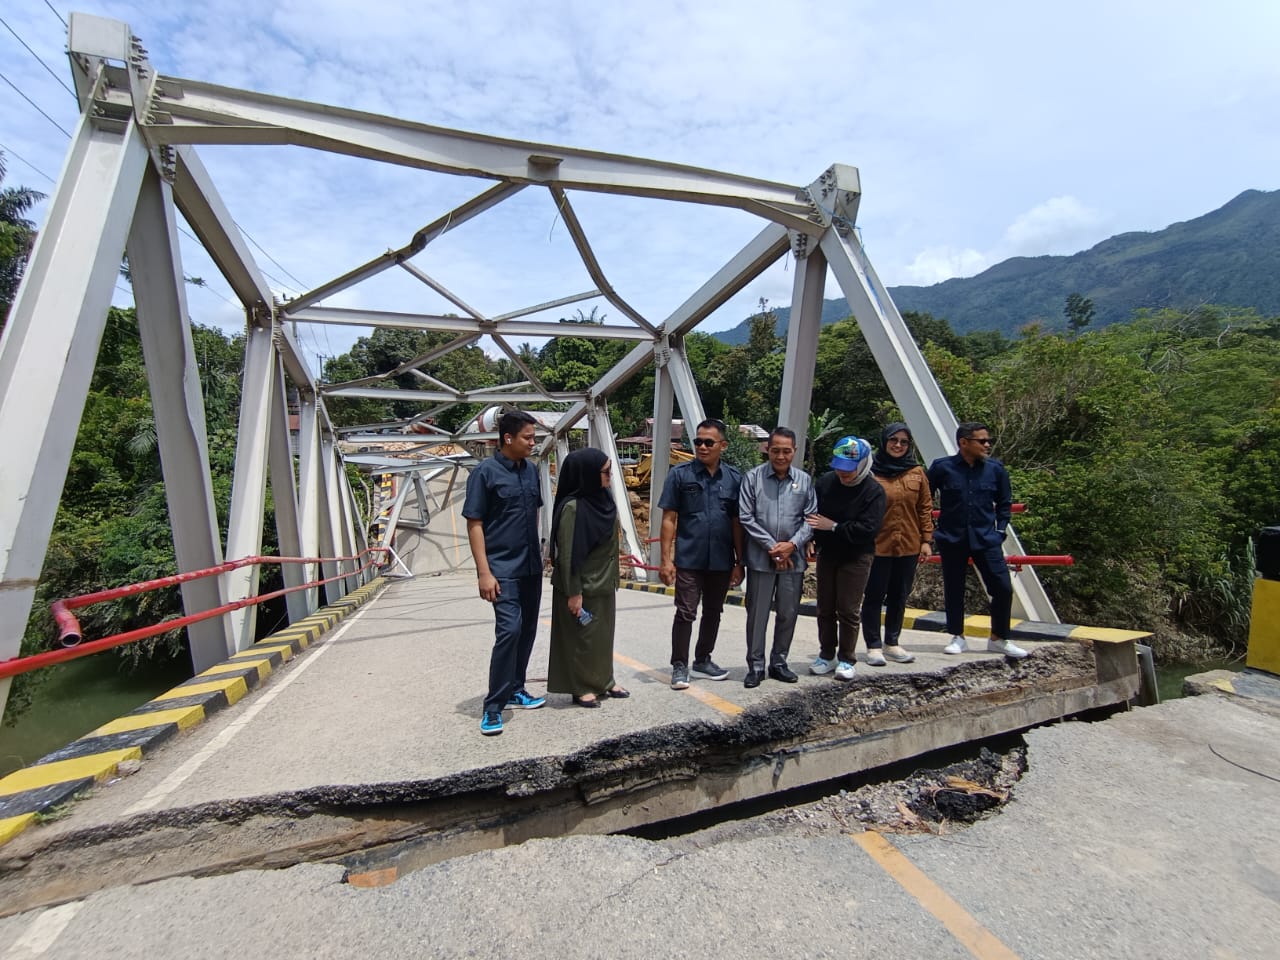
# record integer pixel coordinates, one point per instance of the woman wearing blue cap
(850, 510)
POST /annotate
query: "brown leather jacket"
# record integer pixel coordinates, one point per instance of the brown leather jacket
(908, 514)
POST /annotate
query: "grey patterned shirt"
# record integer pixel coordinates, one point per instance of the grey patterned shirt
(772, 510)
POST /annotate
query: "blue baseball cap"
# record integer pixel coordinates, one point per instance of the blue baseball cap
(850, 453)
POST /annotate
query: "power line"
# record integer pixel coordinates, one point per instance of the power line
(55, 12)
(301, 285)
(38, 57)
(14, 153)
(34, 104)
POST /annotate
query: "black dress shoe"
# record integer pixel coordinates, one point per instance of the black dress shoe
(752, 679)
(780, 671)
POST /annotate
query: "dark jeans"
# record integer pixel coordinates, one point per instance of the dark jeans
(840, 588)
(515, 615)
(889, 586)
(709, 586)
(995, 577)
(763, 588)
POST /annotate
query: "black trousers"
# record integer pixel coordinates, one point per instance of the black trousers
(889, 586)
(840, 589)
(709, 586)
(994, 574)
(515, 614)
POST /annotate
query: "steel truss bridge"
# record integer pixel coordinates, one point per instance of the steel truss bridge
(133, 166)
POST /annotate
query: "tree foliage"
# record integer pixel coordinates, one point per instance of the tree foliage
(112, 526)
(17, 234)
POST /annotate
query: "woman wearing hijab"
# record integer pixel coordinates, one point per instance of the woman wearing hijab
(850, 509)
(905, 539)
(584, 580)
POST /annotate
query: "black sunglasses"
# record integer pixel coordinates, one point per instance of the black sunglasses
(704, 442)
(986, 441)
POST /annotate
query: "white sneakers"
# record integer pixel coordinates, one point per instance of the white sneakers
(957, 645)
(898, 655)
(844, 671)
(820, 666)
(994, 645)
(875, 658)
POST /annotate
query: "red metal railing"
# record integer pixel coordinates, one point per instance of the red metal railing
(1014, 508)
(1017, 561)
(69, 633)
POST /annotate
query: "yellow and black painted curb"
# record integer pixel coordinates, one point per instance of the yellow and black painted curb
(936, 621)
(60, 776)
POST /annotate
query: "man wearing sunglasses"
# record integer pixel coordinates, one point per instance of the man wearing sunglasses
(976, 502)
(702, 549)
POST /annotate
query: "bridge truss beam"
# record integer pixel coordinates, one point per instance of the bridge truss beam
(133, 159)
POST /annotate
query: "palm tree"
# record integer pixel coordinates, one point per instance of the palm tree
(16, 236)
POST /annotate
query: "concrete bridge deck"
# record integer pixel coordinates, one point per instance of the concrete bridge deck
(1130, 838)
(369, 741)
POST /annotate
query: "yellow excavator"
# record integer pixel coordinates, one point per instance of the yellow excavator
(636, 475)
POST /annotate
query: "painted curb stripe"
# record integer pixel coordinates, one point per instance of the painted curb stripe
(39, 799)
(971, 934)
(210, 702)
(183, 717)
(286, 651)
(233, 689)
(144, 737)
(935, 621)
(61, 775)
(1106, 634)
(10, 827)
(93, 767)
(254, 672)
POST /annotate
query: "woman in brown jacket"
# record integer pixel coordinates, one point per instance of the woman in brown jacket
(905, 539)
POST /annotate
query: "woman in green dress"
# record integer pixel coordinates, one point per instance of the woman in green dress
(584, 554)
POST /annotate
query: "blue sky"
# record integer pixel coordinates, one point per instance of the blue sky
(981, 131)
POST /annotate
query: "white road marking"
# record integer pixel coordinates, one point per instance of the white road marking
(44, 930)
(179, 776)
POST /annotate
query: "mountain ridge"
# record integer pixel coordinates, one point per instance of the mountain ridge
(1229, 256)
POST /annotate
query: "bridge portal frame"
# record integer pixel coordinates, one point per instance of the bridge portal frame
(133, 161)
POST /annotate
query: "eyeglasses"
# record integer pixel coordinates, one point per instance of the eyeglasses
(985, 441)
(704, 442)
(901, 440)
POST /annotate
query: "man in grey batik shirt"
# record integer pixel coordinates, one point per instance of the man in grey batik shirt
(772, 505)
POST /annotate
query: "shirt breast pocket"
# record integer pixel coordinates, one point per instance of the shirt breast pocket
(691, 497)
(729, 506)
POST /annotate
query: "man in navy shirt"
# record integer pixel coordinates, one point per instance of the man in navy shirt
(702, 549)
(501, 507)
(975, 502)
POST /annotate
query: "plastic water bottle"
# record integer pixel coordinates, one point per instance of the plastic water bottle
(584, 616)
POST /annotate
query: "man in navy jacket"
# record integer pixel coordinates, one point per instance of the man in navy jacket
(975, 502)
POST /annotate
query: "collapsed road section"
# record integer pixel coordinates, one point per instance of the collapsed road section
(813, 734)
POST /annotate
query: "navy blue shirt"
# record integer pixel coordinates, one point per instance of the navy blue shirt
(705, 507)
(976, 502)
(505, 495)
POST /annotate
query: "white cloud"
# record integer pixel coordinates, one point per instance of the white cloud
(1059, 225)
(962, 120)
(935, 264)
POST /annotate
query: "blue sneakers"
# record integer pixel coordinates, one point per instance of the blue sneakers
(491, 724)
(524, 700)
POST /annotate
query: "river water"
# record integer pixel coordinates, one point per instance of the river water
(80, 696)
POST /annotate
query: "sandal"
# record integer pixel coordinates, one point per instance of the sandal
(584, 702)
(619, 693)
